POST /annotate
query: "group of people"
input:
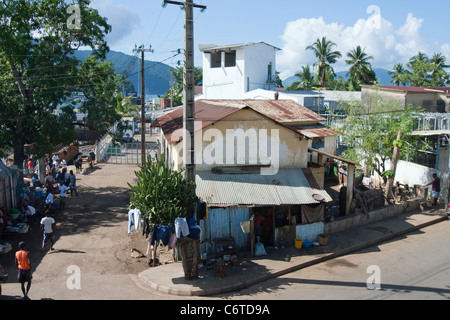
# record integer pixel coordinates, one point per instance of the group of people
(60, 181)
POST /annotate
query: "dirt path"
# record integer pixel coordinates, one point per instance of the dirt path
(91, 238)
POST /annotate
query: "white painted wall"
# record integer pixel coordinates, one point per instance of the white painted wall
(250, 72)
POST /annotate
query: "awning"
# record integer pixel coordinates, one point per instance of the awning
(287, 187)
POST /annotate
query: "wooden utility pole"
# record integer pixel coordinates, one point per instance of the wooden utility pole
(142, 50)
(188, 87)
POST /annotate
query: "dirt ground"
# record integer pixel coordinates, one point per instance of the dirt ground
(91, 234)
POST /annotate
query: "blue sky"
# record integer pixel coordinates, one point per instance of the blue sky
(391, 31)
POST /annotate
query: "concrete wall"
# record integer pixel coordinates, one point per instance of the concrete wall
(213, 150)
(414, 174)
(379, 214)
(430, 101)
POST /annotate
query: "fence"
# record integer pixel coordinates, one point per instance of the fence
(129, 153)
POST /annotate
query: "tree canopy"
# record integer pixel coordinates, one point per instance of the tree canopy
(370, 137)
(422, 71)
(39, 75)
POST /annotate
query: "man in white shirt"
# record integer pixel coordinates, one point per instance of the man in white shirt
(48, 226)
(62, 195)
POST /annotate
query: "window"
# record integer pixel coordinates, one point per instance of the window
(216, 60)
(230, 59)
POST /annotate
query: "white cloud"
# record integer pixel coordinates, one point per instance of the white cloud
(387, 43)
(445, 48)
(123, 20)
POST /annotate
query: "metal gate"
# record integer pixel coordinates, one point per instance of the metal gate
(130, 153)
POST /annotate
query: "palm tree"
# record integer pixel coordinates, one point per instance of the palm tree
(438, 73)
(360, 65)
(306, 82)
(398, 75)
(420, 57)
(323, 50)
(125, 107)
(439, 60)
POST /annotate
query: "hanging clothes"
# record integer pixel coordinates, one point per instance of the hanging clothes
(181, 227)
(137, 219)
(134, 218)
(195, 233)
(173, 241)
(160, 234)
(146, 229)
(130, 221)
(200, 209)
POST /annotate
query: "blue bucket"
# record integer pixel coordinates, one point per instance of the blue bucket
(307, 244)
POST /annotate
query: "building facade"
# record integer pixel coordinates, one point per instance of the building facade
(230, 71)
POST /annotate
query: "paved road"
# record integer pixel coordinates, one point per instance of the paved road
(414, 268)
(92, 241)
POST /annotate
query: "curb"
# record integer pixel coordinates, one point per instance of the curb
(271, 275)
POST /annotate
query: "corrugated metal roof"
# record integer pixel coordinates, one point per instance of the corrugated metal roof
(282, 111)
(288, 187)
(212, 47)
(413, 89)
(318, 131)
(204, 116)
(211, 111)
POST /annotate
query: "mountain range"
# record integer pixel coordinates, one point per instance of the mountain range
(157, 74)
(382, 75)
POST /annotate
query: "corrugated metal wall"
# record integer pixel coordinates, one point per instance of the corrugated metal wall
(224, 223)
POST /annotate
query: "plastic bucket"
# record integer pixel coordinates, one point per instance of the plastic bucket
(298, 243)
(307, 244)
(323, 239)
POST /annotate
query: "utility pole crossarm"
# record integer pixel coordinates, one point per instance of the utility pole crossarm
(183, 4)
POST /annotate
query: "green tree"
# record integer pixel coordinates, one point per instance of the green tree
(323, 50)
(426, 72)
(370, 138)
(438, 74)
(307, 80)
(176, 90)
(278, 81)
(38, 72)
(360, 68)
(399, 75)
(125, 107)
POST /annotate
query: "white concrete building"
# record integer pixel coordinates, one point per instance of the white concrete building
(232, 70)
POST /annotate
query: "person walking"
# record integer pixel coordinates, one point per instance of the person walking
(23, 266)
(48, 225)
(73, 183)
(435, 188)
(62, 195)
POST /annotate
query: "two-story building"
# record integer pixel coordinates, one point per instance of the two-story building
(230, 71)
